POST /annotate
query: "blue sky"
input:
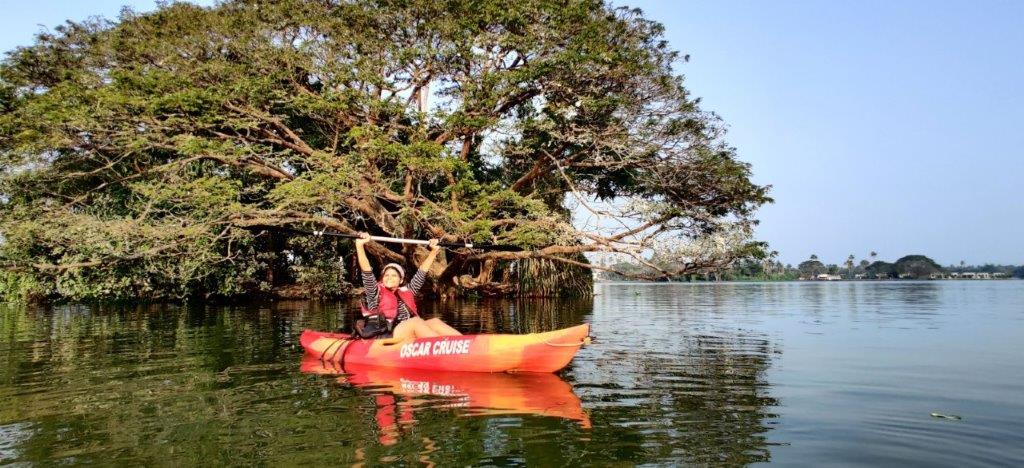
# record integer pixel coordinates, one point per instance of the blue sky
(893, 126)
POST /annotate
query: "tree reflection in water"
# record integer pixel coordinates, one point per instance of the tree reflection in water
(221, 385)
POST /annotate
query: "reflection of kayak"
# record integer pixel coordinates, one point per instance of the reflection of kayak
(478, 394)
(534, 352)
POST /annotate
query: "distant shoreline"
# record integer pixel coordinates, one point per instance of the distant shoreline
(886, 280)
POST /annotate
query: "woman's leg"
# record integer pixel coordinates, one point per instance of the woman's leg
(411, 328)
(441, 328)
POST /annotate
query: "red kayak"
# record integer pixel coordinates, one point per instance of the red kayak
(534, 352)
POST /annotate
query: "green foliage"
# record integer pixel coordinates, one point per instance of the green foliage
(143, 157)
(811, 268)
(757, 270)
(324, 278)
(917, 266)
(880, 269)
(314, 191)
(15, 285)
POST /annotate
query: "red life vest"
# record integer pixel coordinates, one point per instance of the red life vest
(387, 302)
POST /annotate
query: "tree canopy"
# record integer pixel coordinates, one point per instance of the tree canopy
(917, 266)
(811, 268)
(881, 269)
(146, 157)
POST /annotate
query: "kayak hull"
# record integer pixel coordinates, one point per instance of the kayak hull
(534, 352)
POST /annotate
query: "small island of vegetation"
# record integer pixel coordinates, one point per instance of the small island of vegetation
(768, 268)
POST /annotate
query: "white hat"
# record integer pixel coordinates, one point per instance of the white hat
(397, 267)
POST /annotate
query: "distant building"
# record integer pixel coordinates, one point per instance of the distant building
(828, 277)
(981, 275)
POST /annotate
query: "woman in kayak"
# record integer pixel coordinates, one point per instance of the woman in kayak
(397, 302)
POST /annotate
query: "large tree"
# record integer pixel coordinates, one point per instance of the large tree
(811, 268)
(149, 156)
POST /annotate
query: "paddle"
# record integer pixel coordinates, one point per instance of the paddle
(400, 240)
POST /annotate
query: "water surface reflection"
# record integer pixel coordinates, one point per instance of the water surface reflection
(401, 393)
(201, 383)
(716, 374)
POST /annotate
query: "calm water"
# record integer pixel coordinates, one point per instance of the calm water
(797, 373)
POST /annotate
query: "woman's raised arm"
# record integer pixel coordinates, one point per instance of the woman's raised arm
(427, 262)
(364, 263)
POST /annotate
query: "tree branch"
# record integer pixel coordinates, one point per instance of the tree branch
(299, 144)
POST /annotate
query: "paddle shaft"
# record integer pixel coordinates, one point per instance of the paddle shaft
(401, 240)
(396, 240)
